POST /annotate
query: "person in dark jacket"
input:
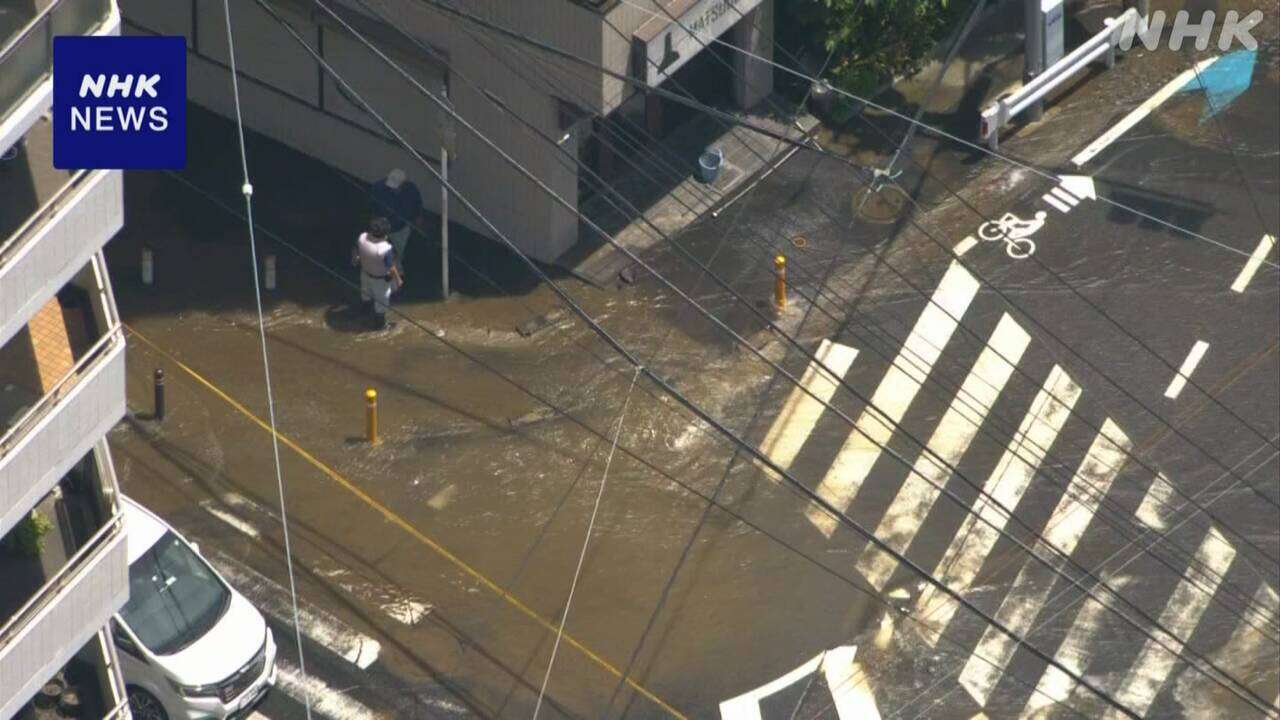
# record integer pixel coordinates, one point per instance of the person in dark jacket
(398, 199)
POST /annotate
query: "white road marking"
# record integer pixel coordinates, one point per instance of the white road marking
(230, 519)
(1056, 203)
(950, 440)
(1078, 187)
(747, 705)
(1141, 112)
(1254, 262)
(325, 629)
(894, 395)
(1249, 650)
(1065, 528)
(1188, 366)
(1181, 615)
(1076, 651)
(324, 700)
(1155, 508)
(1010, 479)
(967, 244)
(847, 682)
(849, 685)
(800, 413)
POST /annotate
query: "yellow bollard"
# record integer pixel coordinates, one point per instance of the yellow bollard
(371, 416)
(780, 282)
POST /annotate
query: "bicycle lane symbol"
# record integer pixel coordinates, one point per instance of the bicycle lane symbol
(1014, 232)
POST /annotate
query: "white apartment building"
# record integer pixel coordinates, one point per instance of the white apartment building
(63, 568)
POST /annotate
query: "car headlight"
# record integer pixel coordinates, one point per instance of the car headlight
(196, 691)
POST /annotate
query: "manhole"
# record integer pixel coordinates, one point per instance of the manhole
(878, 206)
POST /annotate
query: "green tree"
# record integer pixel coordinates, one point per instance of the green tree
(870, 41)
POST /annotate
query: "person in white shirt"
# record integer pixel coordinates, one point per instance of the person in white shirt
(379, 276)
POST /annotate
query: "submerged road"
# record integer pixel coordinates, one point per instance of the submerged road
(1108, 379)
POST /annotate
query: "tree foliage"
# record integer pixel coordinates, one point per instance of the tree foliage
(869, 41)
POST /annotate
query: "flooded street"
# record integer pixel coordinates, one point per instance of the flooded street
(453, 541)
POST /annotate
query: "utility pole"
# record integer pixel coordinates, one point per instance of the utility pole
(1034, 53)
(447, 136)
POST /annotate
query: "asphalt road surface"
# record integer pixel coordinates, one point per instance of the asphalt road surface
(1075, 371)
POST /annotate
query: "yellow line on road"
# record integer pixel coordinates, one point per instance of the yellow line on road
(406, 525)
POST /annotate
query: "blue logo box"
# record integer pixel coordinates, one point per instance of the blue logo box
(119, 102)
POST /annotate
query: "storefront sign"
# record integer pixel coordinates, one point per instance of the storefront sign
(661, 46)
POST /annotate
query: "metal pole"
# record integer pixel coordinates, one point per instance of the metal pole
(1034, 65)
(371, 416)
(158, 397)
(780, 282)
(444, 224)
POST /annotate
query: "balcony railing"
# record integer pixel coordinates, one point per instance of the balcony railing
(47, 438)
(76, 602)
(27, 60)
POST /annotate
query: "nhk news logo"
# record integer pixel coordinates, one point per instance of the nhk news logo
(119, 102)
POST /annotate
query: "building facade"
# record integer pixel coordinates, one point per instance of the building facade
(62, 387)
(289, 97)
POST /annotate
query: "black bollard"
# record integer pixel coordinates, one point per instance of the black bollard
(159, 395)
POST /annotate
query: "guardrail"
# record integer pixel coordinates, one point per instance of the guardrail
(1103, 45)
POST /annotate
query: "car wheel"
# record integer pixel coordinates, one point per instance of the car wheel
(145, 706)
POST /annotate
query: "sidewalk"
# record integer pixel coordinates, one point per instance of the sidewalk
(747, 155)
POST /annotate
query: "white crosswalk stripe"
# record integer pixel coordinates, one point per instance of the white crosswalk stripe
(964, 557)
(914, 509)
(1066, 526)
(950, 440)
(894, 395)
(801, 411)
(1181, 615)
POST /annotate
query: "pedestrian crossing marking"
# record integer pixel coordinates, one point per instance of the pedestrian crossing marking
(894, 395)
(1181, 615)
(801, 411)
(950, 440)
(1055, 686)
(1246, 651)
(1155, 506)
(1011, 478)
(1031, 588)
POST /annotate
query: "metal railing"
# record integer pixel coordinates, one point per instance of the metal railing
(27, 59)
(1103, 45)
(70, 571)
(113, 337)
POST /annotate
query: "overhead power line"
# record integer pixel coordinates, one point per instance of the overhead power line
(246, 189)
(693, 407)
(523, 38)
(604, 334)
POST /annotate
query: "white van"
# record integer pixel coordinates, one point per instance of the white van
(191, 647)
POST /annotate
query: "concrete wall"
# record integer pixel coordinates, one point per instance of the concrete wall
(286, 97)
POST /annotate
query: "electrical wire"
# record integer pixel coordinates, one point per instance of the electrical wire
(1239, 687)
(586, 540)
(1069, 488)
(506, 32)
(338, 277)
(1018, 162)
(1062, 594)
(246, 189)
(664, 385)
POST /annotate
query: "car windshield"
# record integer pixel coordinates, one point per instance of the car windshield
(174, 598)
